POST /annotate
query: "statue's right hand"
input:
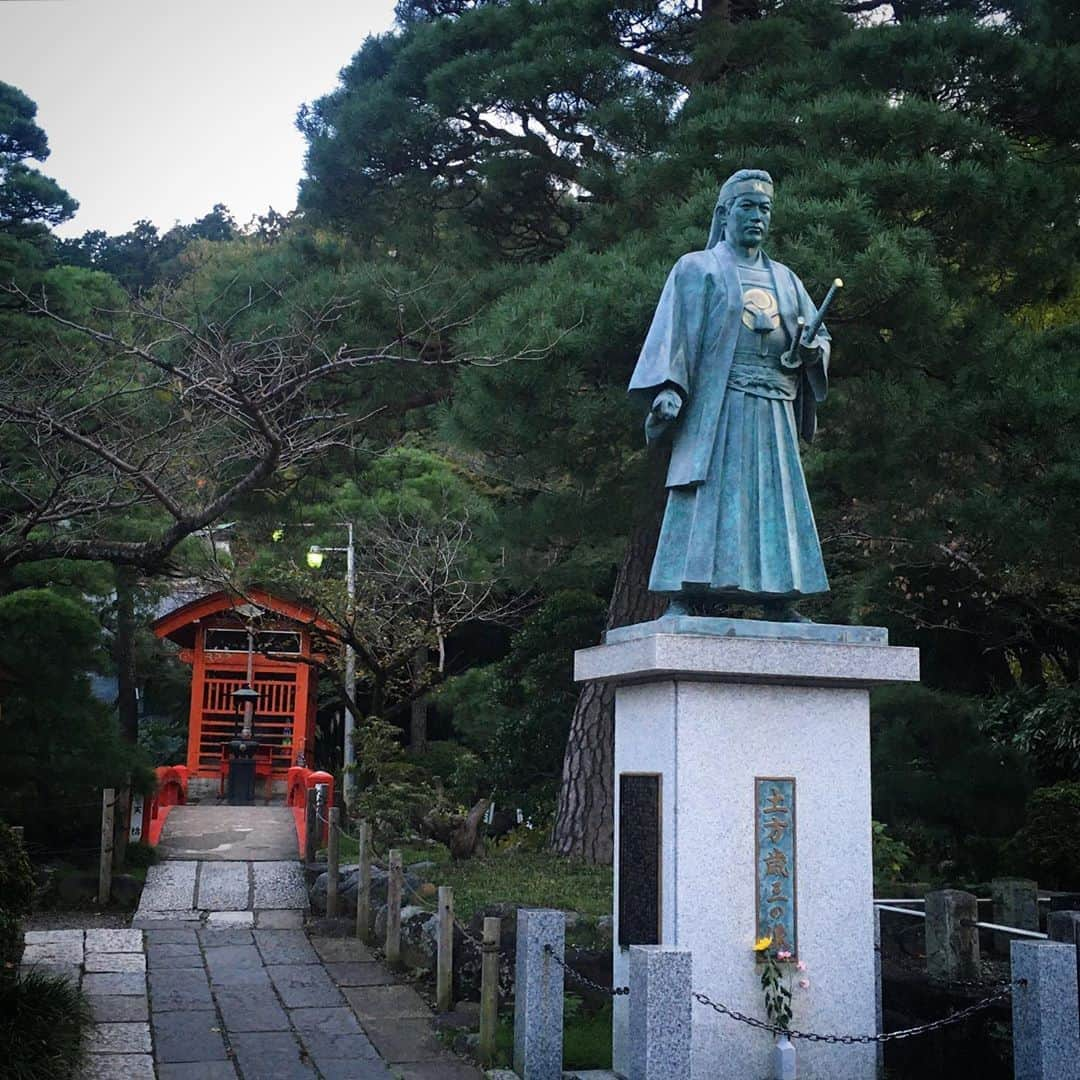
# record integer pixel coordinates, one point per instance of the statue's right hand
(667, 405)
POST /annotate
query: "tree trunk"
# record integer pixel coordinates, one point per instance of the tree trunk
(584, 817)
(127, 703)
(418, 709)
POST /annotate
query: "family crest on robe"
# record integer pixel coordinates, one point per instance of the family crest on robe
(738, 522)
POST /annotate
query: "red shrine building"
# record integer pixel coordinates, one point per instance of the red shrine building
(222, 637)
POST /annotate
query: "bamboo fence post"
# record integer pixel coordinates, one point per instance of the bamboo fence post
(363, 885)
(108, 805)
(393, 910)
(444, 970)
(489, 988)
(332, 861)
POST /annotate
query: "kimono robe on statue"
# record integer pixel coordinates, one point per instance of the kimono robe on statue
(738, 522)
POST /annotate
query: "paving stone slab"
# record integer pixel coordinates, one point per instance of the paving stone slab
(191, 959)
(233, 956)
(120, 961)
(173, 935)
(50, 937)
(230, 918)
(164, 920)
(183, 989)
(250, 1008)
(224, 886)
(114, 941)
(338, 1020)
(373, 974)
(108, 1008)
(359, 1069)
(270, 1056)
(280, 885)
(170, 886)
(377, 1002)
(303, 987)
(123, 984)
(119, 1038)
(285, 947)
(118, 1067)
(338, 1046)
(203, 1070)
(188, 1036)
(341, 950)
(54, 952)
(250, 978)
(399, 1039)
(279, 919)
(214, 937)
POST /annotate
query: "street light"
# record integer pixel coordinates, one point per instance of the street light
(315, 556)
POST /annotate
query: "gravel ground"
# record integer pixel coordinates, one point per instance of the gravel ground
(77, 920)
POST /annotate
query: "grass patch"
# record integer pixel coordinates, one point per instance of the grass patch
(534, 879)
(531, 878)
(586, 1036)
(42, 1021)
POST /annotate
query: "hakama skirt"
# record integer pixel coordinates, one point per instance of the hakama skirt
(748, 531)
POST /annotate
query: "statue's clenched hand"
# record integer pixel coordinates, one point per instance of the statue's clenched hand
(667, 405)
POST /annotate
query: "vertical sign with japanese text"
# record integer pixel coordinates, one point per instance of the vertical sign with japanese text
(774, 835)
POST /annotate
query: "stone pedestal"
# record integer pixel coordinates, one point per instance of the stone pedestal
(700, 720)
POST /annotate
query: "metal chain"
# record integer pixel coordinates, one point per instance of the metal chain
(611, 991)
(851, 1040)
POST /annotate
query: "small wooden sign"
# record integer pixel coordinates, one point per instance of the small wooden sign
(639, 859)
(774, 832)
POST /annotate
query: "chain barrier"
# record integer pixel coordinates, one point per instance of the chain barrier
(610, 991)
(852, 1040)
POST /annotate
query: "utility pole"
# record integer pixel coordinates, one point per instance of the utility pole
(349, 785)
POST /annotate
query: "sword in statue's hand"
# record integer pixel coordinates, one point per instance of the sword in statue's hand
(805, 334)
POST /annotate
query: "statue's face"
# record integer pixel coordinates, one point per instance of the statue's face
(748, 219)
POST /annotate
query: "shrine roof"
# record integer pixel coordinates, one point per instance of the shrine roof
(179, 625)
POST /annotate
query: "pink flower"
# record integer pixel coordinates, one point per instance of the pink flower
(804, 984)
(783, 954)
(800, 966)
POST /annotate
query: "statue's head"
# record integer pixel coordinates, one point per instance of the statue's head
(743, 195)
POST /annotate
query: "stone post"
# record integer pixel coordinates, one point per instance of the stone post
(952, 938)
(878, 1009)
(1016, 903)
(538, 994)
(660, 1002)
(1046, 1036)
(1063, 926)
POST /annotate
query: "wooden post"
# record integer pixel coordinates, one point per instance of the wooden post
(444, 970)
(393, 910)
(312, 825)
(489, 989)
(332, 847)
(363, 885)
(108, 804)
(121, 824)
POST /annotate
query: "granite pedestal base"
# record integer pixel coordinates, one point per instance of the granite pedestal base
(705, 717)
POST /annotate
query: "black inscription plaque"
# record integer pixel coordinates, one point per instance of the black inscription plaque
(639, 859)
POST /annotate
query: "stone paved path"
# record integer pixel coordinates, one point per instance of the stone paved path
(246, 833)
(200, 1002)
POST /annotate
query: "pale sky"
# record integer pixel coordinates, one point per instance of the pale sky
(159, 110)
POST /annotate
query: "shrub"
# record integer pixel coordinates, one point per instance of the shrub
(42, 1022)
(1048, 844)
(16, 896)
(890, 855)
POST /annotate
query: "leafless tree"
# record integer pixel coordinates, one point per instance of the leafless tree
(124, 434)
